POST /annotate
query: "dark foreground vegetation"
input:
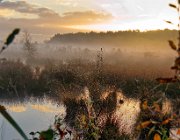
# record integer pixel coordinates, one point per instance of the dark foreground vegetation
(54, 79)
(66, 82)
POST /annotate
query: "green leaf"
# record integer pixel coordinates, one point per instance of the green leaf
(164, 133)
(12, 122)
(159, 132)
(151, 130)
(47, 135)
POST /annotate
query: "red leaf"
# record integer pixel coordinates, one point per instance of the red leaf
(166, 80)
(61, 133)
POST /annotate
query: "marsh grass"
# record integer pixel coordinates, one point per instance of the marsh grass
(92, 114)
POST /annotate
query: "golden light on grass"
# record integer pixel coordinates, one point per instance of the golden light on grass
(16, 108)
(48, 108)
(127, 114)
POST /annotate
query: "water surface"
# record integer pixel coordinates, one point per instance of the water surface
(32, 115)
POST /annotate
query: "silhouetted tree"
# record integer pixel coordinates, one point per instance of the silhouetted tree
(29, 47)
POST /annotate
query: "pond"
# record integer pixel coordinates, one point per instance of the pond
(32, 115)
(38, 114)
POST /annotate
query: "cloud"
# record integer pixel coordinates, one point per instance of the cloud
(39, 19)
(51, 17)
(12, 14)
(24, 7)
(87, 17)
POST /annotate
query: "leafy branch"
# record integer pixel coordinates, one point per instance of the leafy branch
(175, 47)
(3, 111)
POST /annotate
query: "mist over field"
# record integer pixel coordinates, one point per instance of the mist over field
(90, 70)
(135, 51)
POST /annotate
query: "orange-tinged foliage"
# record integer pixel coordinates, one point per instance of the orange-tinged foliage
(144, 124)
(166, 80)
(83, 119)
(178, 132)
(157, 137)
(166, 121)
(156, 107)
(145, 105)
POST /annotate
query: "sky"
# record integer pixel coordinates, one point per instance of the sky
(43, 18)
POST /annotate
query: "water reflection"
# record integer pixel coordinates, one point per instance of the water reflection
(38, 114)
(31, 116)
